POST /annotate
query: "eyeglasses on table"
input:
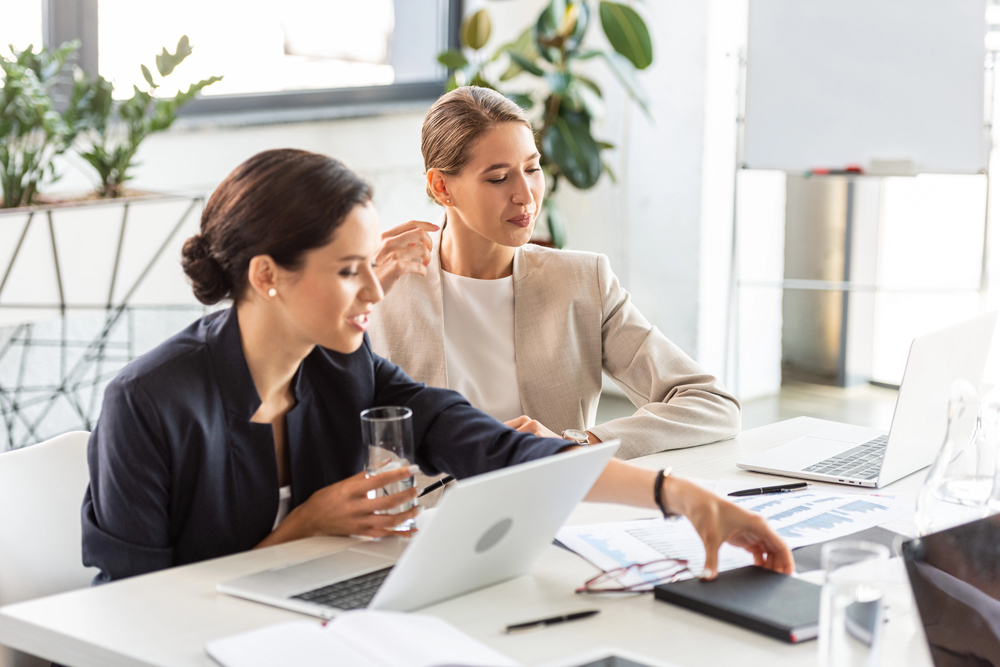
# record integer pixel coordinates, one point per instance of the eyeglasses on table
(662, 571)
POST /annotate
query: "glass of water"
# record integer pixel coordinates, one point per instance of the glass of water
(388, 436)
(852, 606)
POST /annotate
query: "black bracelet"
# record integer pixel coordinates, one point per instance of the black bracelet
(658, 492)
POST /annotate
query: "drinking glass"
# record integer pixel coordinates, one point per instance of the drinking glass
(388, 435)
(851, 605)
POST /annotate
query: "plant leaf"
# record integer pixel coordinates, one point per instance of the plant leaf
(476, 30)
(166, 61)
(558, 81)
(555, 223)
(547, 30)
(626, 76)
(584, 98)
(453, 59)
(610, 172)
(627, 33)
(569, 144)
(147, 76)
(579, 11)
(526, 64)
(521, 100)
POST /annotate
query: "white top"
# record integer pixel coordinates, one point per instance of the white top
(479, 343)
(284, 501)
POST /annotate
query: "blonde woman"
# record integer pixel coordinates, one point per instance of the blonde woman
(525, 332)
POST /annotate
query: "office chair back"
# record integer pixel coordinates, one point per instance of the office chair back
(41, 491)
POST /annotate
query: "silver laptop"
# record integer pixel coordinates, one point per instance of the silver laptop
(487, 529)
(861, 456)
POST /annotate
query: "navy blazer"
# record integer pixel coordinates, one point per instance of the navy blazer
(179, 473)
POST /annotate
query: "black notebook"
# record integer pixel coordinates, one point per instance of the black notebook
(757, 599)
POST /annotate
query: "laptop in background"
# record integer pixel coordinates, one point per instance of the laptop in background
(847, 454)
(487, 529)
(955, 576)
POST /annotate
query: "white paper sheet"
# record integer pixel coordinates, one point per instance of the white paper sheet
(800, 518)
(618, 544)
(357, 639)
(817, 513)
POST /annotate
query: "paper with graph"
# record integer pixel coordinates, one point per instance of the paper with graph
(801, 518)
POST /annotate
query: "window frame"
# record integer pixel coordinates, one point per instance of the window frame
(65, 20)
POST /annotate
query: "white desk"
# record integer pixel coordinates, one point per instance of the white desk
(166, 618)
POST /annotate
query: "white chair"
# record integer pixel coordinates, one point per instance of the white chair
(41, 491)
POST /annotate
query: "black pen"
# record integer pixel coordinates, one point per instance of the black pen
(436, 485)
(781, 488)
(552, 621)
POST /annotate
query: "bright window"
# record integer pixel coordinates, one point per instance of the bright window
(930, 259)
(20, 25)
(261, 46)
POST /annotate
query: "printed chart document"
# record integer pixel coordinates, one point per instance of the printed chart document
(801, 518)
(357, 639)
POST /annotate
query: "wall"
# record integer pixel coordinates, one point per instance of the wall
(651, 224)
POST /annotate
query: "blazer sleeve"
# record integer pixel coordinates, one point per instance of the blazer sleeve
(680, 405)
(125, 514)
(449, 434)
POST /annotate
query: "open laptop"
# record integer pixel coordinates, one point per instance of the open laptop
(848, 454)
(955, 576)
(487, 529)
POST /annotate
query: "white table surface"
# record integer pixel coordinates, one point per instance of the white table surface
(166, 618)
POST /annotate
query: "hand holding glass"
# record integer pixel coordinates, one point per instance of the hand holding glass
(388, 436)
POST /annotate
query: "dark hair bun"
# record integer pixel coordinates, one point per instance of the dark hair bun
(208, 279)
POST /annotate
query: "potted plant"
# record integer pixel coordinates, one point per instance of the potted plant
(32, 131)
(562, 100)
(119, 128)
(81, 270)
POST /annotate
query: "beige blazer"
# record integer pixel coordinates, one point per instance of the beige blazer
(572, 320)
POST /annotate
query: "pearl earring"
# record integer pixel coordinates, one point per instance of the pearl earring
(272, 292)
(447, 201)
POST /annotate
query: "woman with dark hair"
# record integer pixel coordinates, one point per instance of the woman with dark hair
(243, 430)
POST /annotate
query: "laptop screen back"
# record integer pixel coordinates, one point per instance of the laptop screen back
(955, 575)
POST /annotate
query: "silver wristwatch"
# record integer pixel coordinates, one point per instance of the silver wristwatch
(577, 436)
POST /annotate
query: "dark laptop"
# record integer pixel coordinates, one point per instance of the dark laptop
(955, 575)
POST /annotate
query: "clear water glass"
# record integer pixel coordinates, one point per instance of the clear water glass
(852, 605)
(388, 435)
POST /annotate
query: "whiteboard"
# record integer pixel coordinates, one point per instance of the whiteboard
(873, 83)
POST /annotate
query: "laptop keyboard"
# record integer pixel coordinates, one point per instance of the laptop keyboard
(353, 593)
(861, 462)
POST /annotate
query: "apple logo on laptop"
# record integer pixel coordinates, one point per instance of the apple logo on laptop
(493, 535)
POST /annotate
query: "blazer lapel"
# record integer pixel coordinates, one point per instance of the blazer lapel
(433, 334)
(526, 353)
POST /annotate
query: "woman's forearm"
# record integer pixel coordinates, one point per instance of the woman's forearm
(296, 526)
(630, 485)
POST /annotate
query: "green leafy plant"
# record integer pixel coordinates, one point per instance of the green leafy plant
(562, 100)
(118, 128)
(32, 131)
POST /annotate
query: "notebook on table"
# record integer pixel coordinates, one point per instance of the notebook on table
(357, 639)
(752, 597)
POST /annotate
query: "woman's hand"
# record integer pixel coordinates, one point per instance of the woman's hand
(405, 249)
(525, 424)
(715, 519)
(718, 521)
(344, 508)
